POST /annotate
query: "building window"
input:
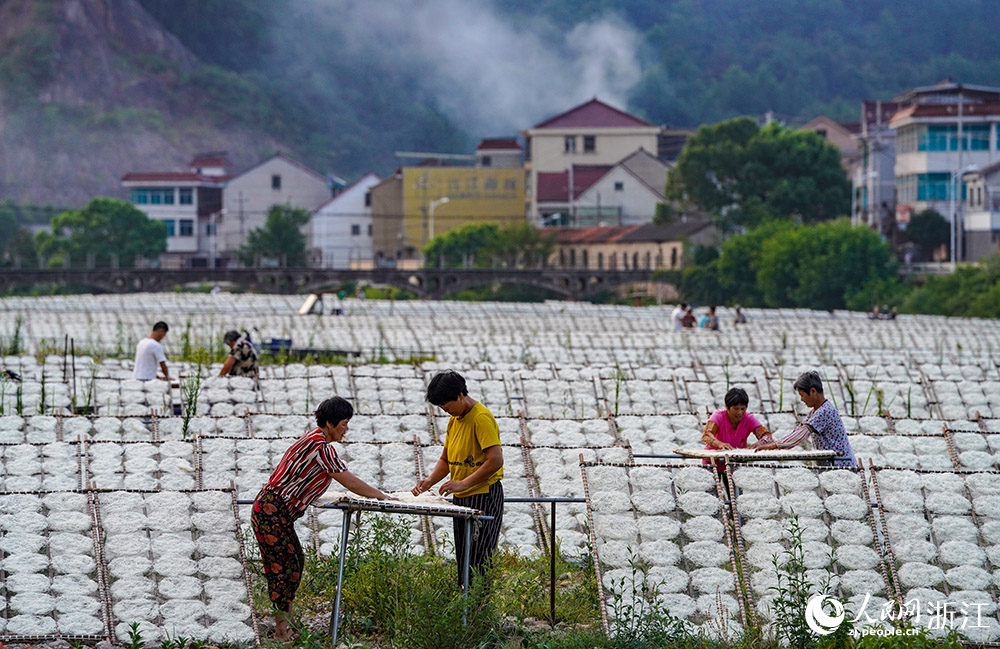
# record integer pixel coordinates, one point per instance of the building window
(570, 144)
(151, 195)
(186, 196)
(369, 229)
(562, 258)
(673, 257)
(170, 227)
(209, 229)
(355, 230)
(585, 261)
(600, 261)
(572, 257)
(487, 161)
(589, 143)
(368, 199)
(635, 261)
(275, 181)
(649, 260)
(978, 137)
(619, 186)
(187, 227)
(944, 137)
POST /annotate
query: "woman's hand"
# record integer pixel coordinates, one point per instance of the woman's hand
(422, 486)
(452, 487)
(723, 446)
(765, 445)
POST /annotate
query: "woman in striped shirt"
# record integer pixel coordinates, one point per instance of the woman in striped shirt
(304, 473)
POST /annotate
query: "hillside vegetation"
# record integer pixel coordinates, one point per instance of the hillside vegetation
(90, 90)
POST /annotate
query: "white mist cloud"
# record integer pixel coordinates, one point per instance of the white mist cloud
(490, 74)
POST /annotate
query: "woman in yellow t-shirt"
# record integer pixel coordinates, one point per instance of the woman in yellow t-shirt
(473, 459)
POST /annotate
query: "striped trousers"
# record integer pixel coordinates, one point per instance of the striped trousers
(484, 533)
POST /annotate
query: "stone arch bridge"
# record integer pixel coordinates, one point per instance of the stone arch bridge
(427, 283)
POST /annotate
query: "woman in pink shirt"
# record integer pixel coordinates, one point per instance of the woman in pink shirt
(730, 428)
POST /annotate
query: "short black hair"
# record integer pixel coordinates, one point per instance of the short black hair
(333, 411)
(231, 336)
(684, 305)
(161, 326)
(737, 397)
(446, 386)
(807, 381)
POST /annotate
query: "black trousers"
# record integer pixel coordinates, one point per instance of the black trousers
(484, 533)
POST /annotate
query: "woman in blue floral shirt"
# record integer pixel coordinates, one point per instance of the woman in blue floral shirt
(823, 423)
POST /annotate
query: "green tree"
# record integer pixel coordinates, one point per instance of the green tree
(700, 284)
(105, 228)
(280, 238)
(819, 266)
(739, 261)
(745, 175)
(928, 229)
(481, 245)
(970, 291)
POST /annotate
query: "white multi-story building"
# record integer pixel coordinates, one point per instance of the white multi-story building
(209, 212)
(248, 195)
(575, 149)
(943, 132)
(187, 202)
(342, 227)
(982, 212)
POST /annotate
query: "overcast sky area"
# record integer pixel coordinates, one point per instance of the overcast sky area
(487, 73)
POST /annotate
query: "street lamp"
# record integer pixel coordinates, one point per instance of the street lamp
(430, 212)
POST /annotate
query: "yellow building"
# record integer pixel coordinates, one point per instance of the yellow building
(418, 203)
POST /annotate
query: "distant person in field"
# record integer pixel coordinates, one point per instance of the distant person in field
(474, 459)
(149, 354)
(731, 427)
(823, 423)
(740, 317)
(677, 316)
(242, 359)
(709, 321)
(689, 321)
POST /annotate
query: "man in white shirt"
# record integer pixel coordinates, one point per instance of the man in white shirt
(677, 316)
(149, 353)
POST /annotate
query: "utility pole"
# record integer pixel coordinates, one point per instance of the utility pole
(957, 255)
(423, 185)
(572, 208)
(874, 193)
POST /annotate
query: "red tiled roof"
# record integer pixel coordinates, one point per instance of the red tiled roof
(553, 187)
(596, 234)
(209, 160)
(593, 114)
(499, 143)
(946, 110)
(173, 177)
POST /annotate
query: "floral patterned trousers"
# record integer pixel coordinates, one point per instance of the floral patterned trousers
(279, 548)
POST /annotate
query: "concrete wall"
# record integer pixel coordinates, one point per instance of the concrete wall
(250, 195)
(387, 218)
(636, 200)
(342, 229)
